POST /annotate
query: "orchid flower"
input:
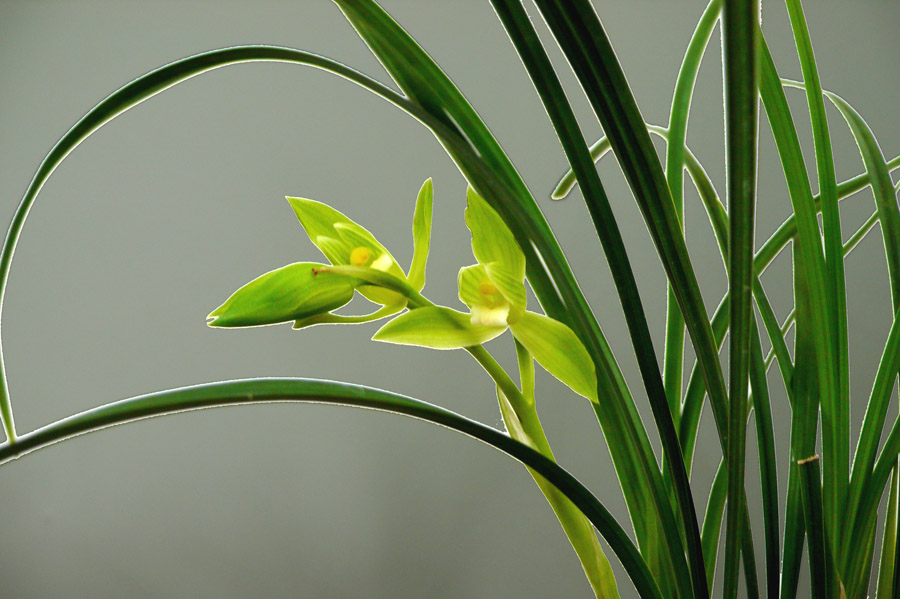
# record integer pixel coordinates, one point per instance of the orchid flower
(494, 291)
(301, 293)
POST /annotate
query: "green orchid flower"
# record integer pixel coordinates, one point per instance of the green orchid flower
(494, 292)
(307, 292)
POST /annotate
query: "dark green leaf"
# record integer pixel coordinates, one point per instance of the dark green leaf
(261, 391)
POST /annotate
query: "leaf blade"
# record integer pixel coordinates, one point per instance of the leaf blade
(254, 391)
(739, 49)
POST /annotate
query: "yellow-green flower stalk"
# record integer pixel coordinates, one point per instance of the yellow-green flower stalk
(494, 292)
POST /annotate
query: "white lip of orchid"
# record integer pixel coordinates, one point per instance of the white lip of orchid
(490, 317)
(382, 262)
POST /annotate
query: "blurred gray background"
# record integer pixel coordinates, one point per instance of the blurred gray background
(159, 216)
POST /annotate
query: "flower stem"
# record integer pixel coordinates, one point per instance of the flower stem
(522, 422)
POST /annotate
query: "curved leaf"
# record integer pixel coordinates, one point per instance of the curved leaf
(134, 93)
(244, 392)
(485, 165)
(673, 359)
(667, 539)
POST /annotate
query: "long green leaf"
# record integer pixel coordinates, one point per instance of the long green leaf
(886, 563)
(889, 217)
(863, 487)
(712, 522)
(813, 381)
(256, 391)
(493, 176)
(835, 286)
(675, 159)
(867, 483)
(812, 504)
(134, 93)
(768, 470)
(581, 36)
(739, 26)
(529, 48)
(696, 388)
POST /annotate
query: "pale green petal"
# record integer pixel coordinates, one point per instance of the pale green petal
(469, 281)
(380, 295)
(357, 237)
(329, 318)
(289, 293)
(492, 241)
(335, 250)
(510, 284)
(421, 235)
(436, 327)
(335, 234)
(317, 218)
(490, 287)
(559, 351)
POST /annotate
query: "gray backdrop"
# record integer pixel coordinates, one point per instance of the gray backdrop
(158, 217)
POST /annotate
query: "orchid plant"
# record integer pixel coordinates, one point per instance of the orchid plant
(669, 546)
(494, 291)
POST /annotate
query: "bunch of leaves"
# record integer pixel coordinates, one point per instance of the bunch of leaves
(831, 505)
